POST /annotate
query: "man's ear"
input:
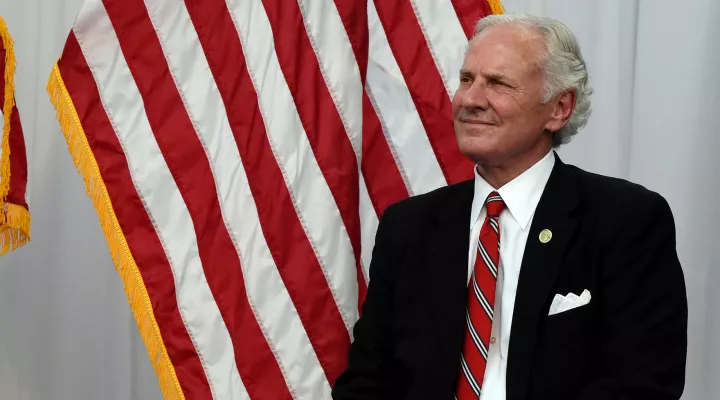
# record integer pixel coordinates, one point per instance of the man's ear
(562, 109)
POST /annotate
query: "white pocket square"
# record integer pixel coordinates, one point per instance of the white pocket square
(564, 303)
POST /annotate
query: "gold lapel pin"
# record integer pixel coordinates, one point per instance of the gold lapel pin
(545, 235)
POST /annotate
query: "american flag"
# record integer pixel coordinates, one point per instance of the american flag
(239, 154)
(14, 212)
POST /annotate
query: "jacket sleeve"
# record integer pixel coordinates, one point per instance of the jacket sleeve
(644, 309)
(369, 372)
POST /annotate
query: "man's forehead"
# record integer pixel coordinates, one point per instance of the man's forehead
(505, 46)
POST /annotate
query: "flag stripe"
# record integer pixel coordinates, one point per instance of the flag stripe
(354, 18)
(319, 214)
(267, 292)
(426, 87)
(337, 65)
(369, 227)
(469, 13)
(319, 118)
(18, 162)
(315, 203)
(342, 76)
(337, 88)
(445, 38)
(380, 181)
(394, 106)
(285, 237)
(384, 182)
(324, 130)
(187, 163)
(136, 225)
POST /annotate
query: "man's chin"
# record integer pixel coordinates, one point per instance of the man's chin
(478, 152)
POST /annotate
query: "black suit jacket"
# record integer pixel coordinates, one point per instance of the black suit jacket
(612, 237)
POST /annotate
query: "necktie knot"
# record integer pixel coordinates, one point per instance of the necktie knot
(494, 204)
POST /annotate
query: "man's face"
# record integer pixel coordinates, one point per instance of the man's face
(497, 109)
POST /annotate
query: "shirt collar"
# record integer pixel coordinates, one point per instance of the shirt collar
(521, 195)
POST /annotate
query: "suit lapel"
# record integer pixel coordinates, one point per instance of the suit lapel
(539, 270)
(449, 244)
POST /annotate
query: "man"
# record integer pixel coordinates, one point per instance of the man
(535, 280)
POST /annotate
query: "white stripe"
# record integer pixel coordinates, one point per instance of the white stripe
(337, 62)
(313, 200)
(161, 198)
(368, 226)
(445, 38)
(396, 110)
(266, 291)
(388, 140)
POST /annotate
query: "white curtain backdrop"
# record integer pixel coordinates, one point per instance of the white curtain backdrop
(66, 331)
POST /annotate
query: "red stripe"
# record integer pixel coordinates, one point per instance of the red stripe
(480, 319)
(382, 176)
(354, 17)
(474, 359)
(425, 84)
(288, 243)
(18, 162)
(320, 118)
(186, 159)
(16, 141)
(490, 241)
(464, 391)
(134, 221)
(469, 12)
(486, 281)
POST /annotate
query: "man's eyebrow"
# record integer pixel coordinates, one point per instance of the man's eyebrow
(498, 77)
(491, 76)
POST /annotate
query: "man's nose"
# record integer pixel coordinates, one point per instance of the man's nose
(476, 96)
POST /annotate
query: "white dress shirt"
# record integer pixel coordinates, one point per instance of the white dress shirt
(521, 197)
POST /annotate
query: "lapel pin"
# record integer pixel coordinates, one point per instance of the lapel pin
(545, 235)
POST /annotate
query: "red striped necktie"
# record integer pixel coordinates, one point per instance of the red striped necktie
(481, 303)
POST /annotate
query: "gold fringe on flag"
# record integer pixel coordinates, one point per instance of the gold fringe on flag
(135, 289)
(496, 6)
(14, 219)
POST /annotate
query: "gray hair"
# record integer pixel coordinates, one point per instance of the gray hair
(562, 63)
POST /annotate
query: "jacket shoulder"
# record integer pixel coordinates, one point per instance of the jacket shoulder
(419, 207)
(607, 195)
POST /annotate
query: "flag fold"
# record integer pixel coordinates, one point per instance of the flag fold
(14, 212)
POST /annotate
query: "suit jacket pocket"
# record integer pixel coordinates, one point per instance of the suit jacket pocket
(576, 324)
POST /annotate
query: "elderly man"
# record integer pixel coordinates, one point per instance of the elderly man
(535, 280)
